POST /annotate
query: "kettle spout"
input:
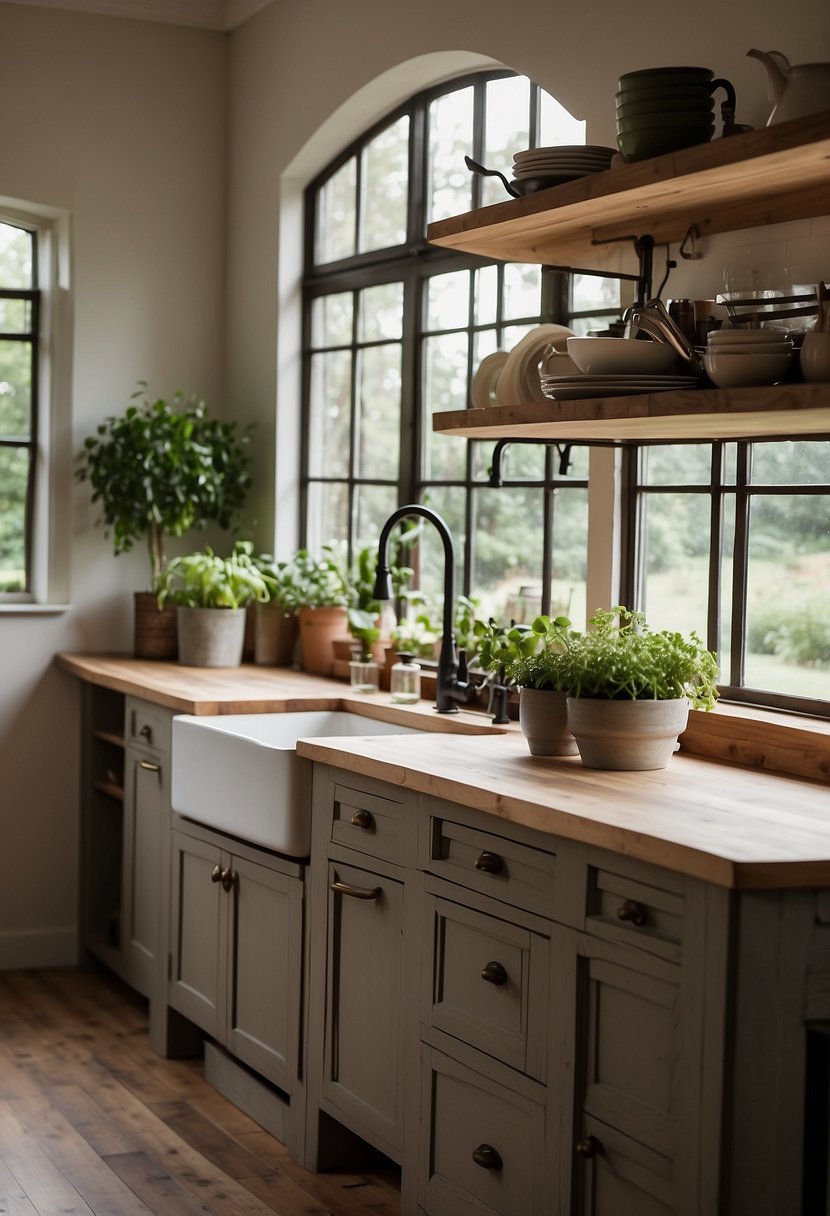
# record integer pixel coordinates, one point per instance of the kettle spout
(777, 67)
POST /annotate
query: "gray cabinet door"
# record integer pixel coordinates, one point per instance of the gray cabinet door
(363, 1001)
(144, 803)
(263, 1016)
(198, 957)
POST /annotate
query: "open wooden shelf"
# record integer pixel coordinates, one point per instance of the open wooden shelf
(762, 177)
(110, 789)
(109, 736)
(787, 410)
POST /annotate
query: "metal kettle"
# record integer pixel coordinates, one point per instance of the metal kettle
(794, 91)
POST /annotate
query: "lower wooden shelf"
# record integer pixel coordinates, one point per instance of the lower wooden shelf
(695, 415)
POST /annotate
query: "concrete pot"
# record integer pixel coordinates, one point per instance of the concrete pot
(543, 718)
(631, 735)
(211, 637)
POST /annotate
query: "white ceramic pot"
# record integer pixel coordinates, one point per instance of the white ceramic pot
(211, 637)
(543, 718)
(815, 357)
(632, 735)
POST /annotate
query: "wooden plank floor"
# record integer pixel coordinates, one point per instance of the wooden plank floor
(93, 1121)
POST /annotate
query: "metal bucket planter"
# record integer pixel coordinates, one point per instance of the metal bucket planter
(632, 735)
(211, 637)
(543, 718)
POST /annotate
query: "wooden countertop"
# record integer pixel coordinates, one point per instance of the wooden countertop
(741, 827)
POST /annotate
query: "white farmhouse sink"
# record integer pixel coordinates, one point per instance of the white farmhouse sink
(240, 773)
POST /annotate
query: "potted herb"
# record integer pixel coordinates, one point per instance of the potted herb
(211, 594)
(529, 657)
(629, 689)
(276, 624)
(159, 470)
(320, 585)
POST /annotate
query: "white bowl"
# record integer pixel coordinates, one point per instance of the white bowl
(743, 334)
(753, 348)
(734, 371)
(621, 356)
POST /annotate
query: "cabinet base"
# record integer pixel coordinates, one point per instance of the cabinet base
(265, 1105)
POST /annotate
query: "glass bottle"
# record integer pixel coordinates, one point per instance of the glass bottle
(364, 673)
(405, 680)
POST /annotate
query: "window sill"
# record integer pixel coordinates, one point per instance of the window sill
(761, 738)
(24, 609)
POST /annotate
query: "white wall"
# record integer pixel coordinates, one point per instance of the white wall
(123, 124)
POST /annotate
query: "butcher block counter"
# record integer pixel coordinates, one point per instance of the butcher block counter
(735, 825)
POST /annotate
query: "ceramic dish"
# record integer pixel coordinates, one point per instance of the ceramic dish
(613, 356)
(746, 335)
(566, 149)
(737, 371)
(582, 388)
(485, 379)
(519, 382)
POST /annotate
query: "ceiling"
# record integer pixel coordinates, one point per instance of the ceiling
(204, 14)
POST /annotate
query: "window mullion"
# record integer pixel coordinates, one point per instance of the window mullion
(740, 563)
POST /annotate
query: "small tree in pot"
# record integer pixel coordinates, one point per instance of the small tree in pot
(159, 470)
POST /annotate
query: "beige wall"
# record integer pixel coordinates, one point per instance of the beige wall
(123, 124)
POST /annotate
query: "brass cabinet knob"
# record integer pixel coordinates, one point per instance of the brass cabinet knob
(633, 912)
(589, 1147)
(494, 973)
(344, 888)
(228, 878)
(487, 1157)
(488, 863)
(216, 874)
(362, 819)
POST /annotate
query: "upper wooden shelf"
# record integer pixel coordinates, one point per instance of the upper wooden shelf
(788, 410)
(762, 177)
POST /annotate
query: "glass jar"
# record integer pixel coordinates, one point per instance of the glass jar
(405, 680)
(364, 674)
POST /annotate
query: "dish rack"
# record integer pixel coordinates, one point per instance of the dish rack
(757, 308)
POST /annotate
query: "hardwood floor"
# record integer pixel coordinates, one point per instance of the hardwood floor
(93, 1121)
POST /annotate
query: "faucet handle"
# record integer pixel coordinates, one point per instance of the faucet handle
(462, 666)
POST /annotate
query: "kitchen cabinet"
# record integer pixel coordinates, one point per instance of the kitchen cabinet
(236, 958)
(362, 976)
(758, 178)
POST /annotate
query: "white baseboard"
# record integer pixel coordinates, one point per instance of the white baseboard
(38, 948)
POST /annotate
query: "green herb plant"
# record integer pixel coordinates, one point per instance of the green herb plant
(621, 658)
(524, 656)
(163, 468)
(205, 580)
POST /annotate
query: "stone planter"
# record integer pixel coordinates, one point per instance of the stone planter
(275, 635)
(155, 634)
(631, 735)
(211, 637)
(543, 718)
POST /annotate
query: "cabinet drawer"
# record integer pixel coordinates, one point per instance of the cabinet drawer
(617, 1176)
(629, 906)
(483, 1147)
(500, 868)
(373, 825)
(147, 725)
(486, 983)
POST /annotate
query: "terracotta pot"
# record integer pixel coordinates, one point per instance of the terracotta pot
(318, 629)
(211, 637)
(543, 718)
(275, 635)
(155, 633)
(631, 735)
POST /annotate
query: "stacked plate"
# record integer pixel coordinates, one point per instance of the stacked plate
(663, 109)
(561, 164)
(514, 377)
(744, 357)
(582, 388)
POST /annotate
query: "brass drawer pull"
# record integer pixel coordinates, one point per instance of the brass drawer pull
(487, 1157)
(488, 863)
(494, 973)
(149, 766)
(589, 1147)
(362, 819)
(631, 911)
(343, 888)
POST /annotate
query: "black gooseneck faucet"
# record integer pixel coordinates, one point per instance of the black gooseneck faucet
(451, 682)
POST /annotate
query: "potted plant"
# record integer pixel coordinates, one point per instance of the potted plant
(276, 624)
(211, 594)
(630, 688)
(529, 657)
(320, 588)
(159, 470)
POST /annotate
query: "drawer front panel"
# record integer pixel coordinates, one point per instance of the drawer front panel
(497, 867)
(486, 983)
(373, 825)
(483, 1150)
(147, 725)
(624, 907)
(616, 1176)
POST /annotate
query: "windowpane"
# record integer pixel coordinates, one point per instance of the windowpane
(449, 502)
(678, 464)
(15, 316)
(791, 462)
(381, 312)
(14, 472)
(486, 295)
(676, 541)
(329, 414)
(331, 319)
(449, 189)
(328, 514)
(380, 412)
(522, 290)
(15, 389)
(374, 506)
(788, 586)
(448, 300)
(16, 257)
(385, 187)
(508, 544)
(570, 554)
(506, 131)
(336, 211)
